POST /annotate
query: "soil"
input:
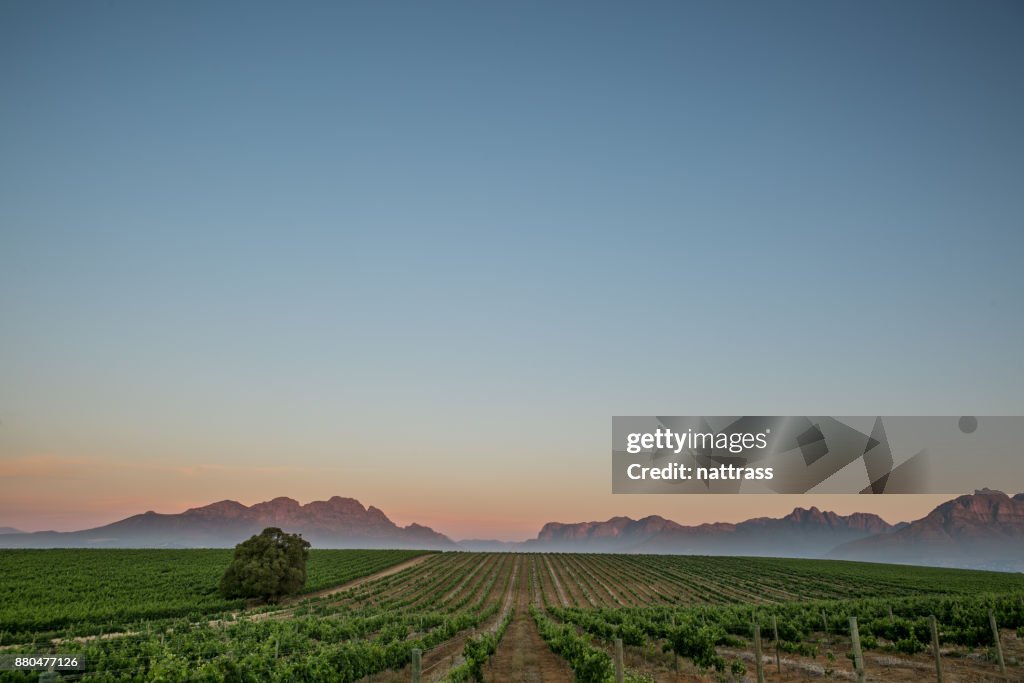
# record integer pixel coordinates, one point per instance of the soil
(522, 655)
(959, 665)
(438, 660)
(393, 569)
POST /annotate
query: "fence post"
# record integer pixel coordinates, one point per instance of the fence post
(824, 622)
(858, 656)
(675, 655)
(935, 647)
(999, 645)
(619, 673)
(757, 653)
(416, 664)
(775, 635)
(892, 617)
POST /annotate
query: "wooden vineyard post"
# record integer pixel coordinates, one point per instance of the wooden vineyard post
(892, 617)
(675, 655)
(757, 653)
(935, 647)
(775, 636)
(858, 656)
(824, 622)
(619, 673)
(416, 664)
(999, 645)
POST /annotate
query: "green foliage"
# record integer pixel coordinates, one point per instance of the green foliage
(737, 668)
(590, 664)
(270, 565)
(93, 590)
(631, 634)
(799, 648)
(697, 643)
(345, 647)
(732, 641)
(477, 652)
(694, 604)
(909, 646)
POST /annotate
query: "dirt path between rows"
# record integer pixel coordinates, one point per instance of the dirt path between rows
(522, 655)
(438, 660)
(288, 606)
(555, 582)
(355, 583)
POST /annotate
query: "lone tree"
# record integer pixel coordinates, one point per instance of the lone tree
(269, 566)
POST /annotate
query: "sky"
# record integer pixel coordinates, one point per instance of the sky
(419, 254)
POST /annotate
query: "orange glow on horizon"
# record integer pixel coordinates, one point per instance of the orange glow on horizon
(48, 492)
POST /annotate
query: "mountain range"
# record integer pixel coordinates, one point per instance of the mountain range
(980, 530)
(984, 530)
(801, 533)
(335, 523)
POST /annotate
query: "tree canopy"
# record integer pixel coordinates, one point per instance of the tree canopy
(269, 565)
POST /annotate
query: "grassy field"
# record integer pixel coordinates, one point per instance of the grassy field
(503, 617)
(83, 591)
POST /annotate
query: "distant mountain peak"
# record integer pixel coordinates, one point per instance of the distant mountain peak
(222, 508)
(982, 529)
(220, 505)
(806, 529)
(804, 514)
(282, 500)
(336, 522)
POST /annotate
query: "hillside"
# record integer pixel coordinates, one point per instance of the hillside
(981, 530)
(802, 533)
(335, 523)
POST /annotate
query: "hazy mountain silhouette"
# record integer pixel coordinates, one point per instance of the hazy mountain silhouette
(802, 533)
(984, 530)
(335, 523)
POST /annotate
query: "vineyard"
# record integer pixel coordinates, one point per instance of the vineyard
(155, 616)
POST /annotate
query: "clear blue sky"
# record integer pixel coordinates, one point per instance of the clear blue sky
(461, 236)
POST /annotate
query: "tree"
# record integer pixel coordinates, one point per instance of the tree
(269, 566)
